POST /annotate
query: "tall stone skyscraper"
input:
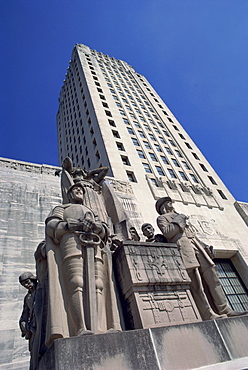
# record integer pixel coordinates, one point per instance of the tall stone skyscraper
(109, 115)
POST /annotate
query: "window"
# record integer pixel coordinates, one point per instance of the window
(108, 113)
(185, 165)
(165, 132)
(195, 155)
(135, 141)
(203, 167)
(102, 97)
(176, 128)
(188, 145)
(147, 145)
(164, 159)
(232, 285)
(178, 153)
(183, 176)
(137, 124)
(175, 162)
(126, 121)
(212, 180)
(172, 173)
(146, 127)
(130, 130)
(122, 112)
(152, 137)
(154, 182)
(153, 157)
(116, 134)
(118, 104)
(105, 104)
(147, 167)
(172, 143)
(112, 123)
(141, 133)
(97, 155)
(140, 153)
(193, 178)
(160, 171)
(181, 136)
(162, 140)
(125, 160)
(158, 148)
(168, 150)
(131, 176)
(120, 146)
(221, 194)
(169, 119)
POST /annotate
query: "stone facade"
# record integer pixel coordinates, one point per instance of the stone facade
(27, 193)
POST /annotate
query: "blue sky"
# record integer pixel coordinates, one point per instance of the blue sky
(194, 53)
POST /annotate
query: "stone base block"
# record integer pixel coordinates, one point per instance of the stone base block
(186, 346)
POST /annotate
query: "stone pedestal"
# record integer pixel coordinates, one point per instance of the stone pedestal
(154, 285)
(190, 346)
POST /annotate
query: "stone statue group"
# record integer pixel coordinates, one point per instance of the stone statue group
(74, 292)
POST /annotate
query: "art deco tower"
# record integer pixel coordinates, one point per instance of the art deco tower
(109, 115)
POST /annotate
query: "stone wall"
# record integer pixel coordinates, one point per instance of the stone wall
(27, 194)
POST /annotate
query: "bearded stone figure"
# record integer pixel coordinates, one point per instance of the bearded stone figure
(81, 298)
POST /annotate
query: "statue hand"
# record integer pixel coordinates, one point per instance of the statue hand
(28, 335)
(180, 220)
(97, 227)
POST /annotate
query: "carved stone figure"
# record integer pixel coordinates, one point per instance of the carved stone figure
(134, 235)
(81, 294)
(200, 267)
(91, 181)
(99, 197)
(27, 320)
(39, 347)
(148, 232)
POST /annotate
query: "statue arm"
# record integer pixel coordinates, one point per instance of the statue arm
(24, 318)
(98, 174)
(168, 229)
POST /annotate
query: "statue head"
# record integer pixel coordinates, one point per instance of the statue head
(147, 230)
(78, 174)
(75, 193)
(134, 234)
(28, 280)
(164, 205)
